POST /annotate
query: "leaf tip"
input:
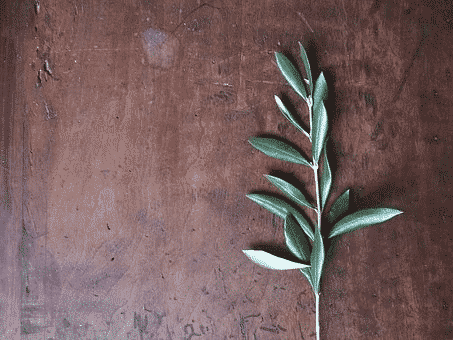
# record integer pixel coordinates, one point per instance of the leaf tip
(398, 212)
(248, 252)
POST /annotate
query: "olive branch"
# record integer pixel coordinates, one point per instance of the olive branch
(296, 227)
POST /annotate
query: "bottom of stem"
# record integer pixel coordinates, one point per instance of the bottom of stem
(317, 316)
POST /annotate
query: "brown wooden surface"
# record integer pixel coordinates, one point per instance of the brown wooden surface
(126, 165)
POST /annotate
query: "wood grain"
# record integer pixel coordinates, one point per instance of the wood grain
(128, 164)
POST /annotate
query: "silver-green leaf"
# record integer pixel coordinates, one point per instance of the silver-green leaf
(281, 209)
(326, 179)
(317, 260)
(273, 204)
(277, 149)
(295, 239)
(339, 207)
(363, 218)
(303, 54)
(320, 93)
(307, 274)
(290, 116)
(291, 75)
(320, 123)
(270, 261)
(289, 190)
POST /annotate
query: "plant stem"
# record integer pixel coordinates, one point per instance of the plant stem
(318, 210)
(318, 203)
(317, 316)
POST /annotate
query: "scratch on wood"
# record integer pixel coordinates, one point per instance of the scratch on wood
(243, 320)
(377, 131)
(272, 330)
(190, 13)
(224, 84)
(189, 325)
(50, 113)
(281, 328)
(301, 333)
(406, 72)
(168, 334)
(305, 20)
(223, 280)
(263, 82)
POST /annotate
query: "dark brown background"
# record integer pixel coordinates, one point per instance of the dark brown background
(124, 172)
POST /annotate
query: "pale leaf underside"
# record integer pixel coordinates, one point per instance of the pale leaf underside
(270, 261)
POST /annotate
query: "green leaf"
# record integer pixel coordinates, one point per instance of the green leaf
(326, 179)
(289, 190)
(291, 75)
(307, 274)
(270, 261)
(289, 116)
(320, 123)
(278, 149)
(339, 207)
(363, 218)
(303, 54)
(273, 204)
(317, 260)
(280, 208)
(303, 223)
(320, 90)
(295, 239)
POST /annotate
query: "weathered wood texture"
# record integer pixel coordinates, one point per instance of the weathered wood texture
(125, 164)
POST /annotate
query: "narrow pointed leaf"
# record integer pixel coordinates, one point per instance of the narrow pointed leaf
(307, 274)
(270, 261)
(339, 207)
(291, 75)
(273, 204)
(363, 218)
(303, 223)
(320, 93)
(281, 209)
(320, 124)
(278, 149)
(303, 54)
(289, 190)
(317, 260)
(295, 239)
(290, 116)
(326, 180)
